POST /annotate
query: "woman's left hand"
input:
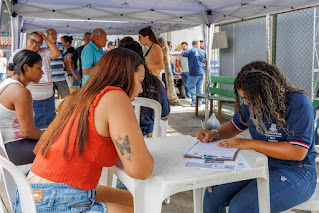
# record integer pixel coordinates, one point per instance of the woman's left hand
(239, 143)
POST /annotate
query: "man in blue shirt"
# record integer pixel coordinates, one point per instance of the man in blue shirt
(92, 52)
(196, 59)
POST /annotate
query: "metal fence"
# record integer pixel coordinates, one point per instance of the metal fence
(293, 46)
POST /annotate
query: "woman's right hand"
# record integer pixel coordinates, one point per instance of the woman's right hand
(207, 136)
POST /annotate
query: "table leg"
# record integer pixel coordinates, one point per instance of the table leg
(148, 197)
(263, 195)
(198, 196)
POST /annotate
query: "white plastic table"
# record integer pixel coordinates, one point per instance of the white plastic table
(170, 175)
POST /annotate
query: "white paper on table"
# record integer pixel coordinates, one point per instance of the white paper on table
(242, 163)
(213, 164)
(211, 149)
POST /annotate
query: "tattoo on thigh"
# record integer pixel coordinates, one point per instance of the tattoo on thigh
(124, 145)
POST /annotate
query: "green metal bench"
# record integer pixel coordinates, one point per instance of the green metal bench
(219, 94)
(316, 100)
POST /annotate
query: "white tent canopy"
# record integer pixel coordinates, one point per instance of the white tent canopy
(130, 15)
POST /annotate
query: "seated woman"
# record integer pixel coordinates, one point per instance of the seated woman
(18, 130)
(95, 127)
(280, 119)
(152, 89)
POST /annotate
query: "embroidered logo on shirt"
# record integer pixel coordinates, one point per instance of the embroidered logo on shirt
(273, 133)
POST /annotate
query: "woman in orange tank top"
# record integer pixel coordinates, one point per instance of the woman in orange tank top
(154, 57)
(94, 128)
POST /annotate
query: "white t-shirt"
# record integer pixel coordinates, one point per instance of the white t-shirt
(3, 65)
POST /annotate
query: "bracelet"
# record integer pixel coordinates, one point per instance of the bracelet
(69, 74)
(215, 130)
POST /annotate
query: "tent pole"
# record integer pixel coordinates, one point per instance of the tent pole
(16, 23)
(211, 29)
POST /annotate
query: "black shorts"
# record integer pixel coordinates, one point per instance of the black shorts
(21, 152)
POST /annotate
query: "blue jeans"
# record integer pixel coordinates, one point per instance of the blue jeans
(289, 186)
(185, 80)
(60, 197)
(195, 81)
(3, 76)
(44, 112)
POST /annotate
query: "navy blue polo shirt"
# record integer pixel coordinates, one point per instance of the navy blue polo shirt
(300, 114)
(196, 58)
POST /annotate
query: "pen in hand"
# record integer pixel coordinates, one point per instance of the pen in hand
(203, 127)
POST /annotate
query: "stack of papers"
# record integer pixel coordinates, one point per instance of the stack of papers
(239, 164)
(211, 156)
(211, 151)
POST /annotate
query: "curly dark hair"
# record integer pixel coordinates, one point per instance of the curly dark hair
(266, 90)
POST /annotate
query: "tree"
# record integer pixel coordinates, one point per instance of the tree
(171, 92)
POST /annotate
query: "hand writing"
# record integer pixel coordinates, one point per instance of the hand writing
(207, 136)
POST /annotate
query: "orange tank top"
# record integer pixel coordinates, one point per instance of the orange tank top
(80, 172)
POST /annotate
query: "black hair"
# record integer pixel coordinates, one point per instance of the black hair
(68, 39)
(21, 58)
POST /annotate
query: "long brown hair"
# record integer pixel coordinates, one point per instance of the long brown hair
(147, 31)
(266, 86)
(115, 68)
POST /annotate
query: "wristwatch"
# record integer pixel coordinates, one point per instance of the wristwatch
(69, 74)
(217, 137)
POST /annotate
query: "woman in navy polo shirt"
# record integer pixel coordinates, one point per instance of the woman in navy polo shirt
(280, 119)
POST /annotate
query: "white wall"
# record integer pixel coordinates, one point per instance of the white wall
(187, 35)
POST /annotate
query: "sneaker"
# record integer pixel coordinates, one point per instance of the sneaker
(193, 104)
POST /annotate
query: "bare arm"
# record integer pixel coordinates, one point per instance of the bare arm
(158, 57)
(179, 64)
(54, 50)
(66, 63)
(114, 116)
(23, 108)
(72, 68)
(176, 54)
(280, 150)
(88, 71)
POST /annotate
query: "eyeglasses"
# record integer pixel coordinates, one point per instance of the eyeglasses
(53, 34)
(38, 43)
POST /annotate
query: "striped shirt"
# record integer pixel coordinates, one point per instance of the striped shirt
(57, 69)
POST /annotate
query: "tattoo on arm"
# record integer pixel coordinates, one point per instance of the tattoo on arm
(124, 145)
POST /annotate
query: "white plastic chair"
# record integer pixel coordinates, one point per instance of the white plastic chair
(146, 102)
(14, 179)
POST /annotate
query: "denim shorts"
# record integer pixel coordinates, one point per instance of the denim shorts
(44, 112)
(60, 197)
